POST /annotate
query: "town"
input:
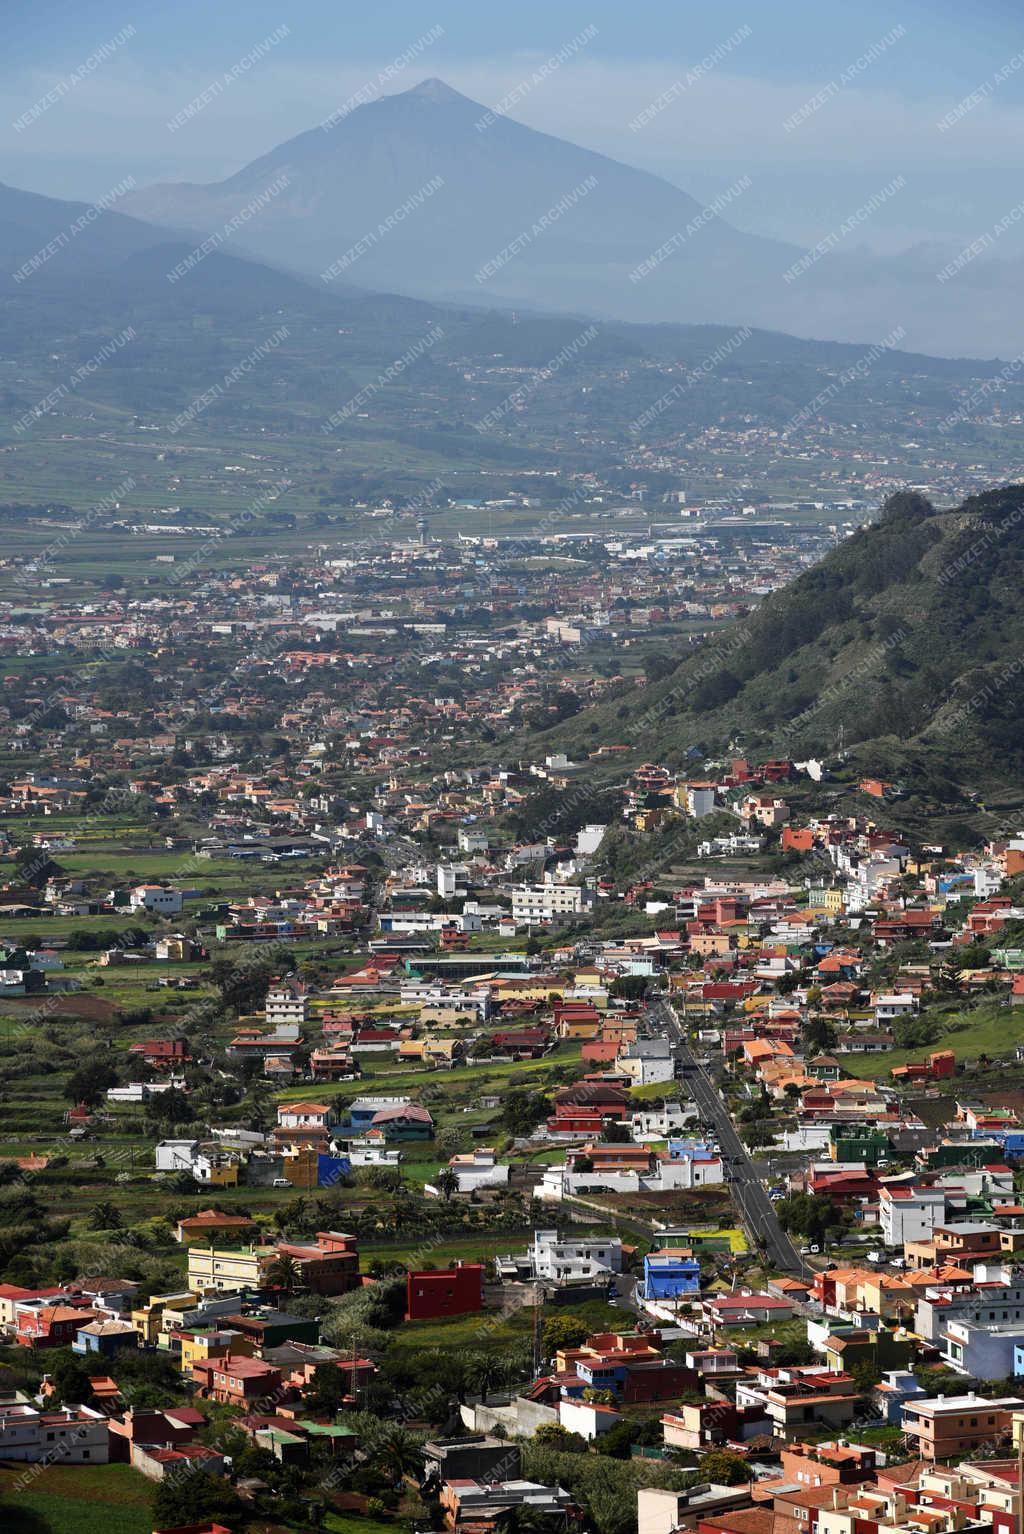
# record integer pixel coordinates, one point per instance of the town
(511, 773)
(439, 1151)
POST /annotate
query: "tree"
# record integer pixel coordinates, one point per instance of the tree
(725, 1469)
(331, 1384)
(284, 1273)
(71, 1381)
(192, 1498)
(90, 1081)
(484, 1371)
(35, 868)
(450, 1140)
(104, 1216)
(564, 1331)
(172, 1107)
(949, 976)
(617, 1443)
(658, 665)
(808, 1214)
(615, 1133)
(524, 1519)
(819, 1036)
(866, 1375)
(397, 1453)
(447, 1184)
(629, 987)
(522, 1111)
(552, 1435)
(243, 986)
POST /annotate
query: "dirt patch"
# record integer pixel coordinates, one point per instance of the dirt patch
(72, 1005)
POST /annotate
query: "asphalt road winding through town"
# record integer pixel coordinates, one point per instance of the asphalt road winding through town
(755, 1206)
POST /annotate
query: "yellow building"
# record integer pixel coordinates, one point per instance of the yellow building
(210, 1267)
(528, 990)
(147, 1319)
(431, 1049)
(198, 1346)
(584, 1028)
(223, 1174)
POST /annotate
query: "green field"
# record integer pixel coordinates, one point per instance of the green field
(76, 1499)
(988, 1029)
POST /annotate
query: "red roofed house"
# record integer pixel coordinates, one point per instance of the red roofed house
(236, 1381)
(404, 1121)
(585, 1107)
(213, 1223)
(747, 1308)
(41, 1325)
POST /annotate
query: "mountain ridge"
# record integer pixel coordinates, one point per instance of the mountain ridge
(634, 247)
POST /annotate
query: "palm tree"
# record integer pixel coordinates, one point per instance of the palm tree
(447, 1184)
(284, 1272)
(104, 1216)
(401, 1209)
(397, 1453)
(483, 1372)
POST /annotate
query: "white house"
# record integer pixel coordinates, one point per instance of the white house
(549, 902)
(907, 1213)
(646, 1061)
(70, 1435)
(176, 1155)
(305, 1116)
(700, 802)
(287, 1002)
(573, 1258)
(372, 1153)
(900, 1004)
(587, 1419)
(142, 1091)
(479, 1169)
(660, 1123)
(155, 897)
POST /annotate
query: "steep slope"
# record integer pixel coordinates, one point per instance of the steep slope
(428, 194)
(908, 637)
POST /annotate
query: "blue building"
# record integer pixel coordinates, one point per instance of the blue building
(690, 1150)
(105, 1338)
(898, 1386)
(671, 1275)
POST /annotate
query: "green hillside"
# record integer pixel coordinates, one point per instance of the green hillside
(903, 647)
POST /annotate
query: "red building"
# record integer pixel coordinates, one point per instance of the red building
(51, 1326)
(584, 1108)
(236, 1381)
(163, 1051)
(940, 1064)
(456, 1291)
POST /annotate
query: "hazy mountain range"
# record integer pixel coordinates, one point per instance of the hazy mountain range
(427, 193)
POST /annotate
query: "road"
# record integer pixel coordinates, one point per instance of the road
(746, 1187)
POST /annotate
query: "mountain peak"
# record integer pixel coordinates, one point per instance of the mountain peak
(434, 89)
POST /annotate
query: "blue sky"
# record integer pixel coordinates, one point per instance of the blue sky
(880, 120)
